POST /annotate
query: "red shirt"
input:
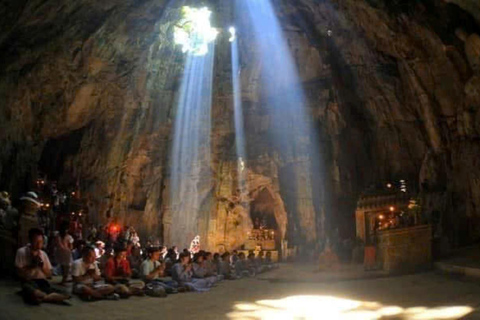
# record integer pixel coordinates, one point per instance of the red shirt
(114, 269)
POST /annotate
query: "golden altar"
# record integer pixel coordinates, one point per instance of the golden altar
(261, 238)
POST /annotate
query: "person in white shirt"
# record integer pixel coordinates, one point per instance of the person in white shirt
(86, 277)
(152, 272)
(33, 267)
(64, 247)
(99, 249)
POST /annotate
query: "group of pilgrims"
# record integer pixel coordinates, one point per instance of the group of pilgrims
(124, 269)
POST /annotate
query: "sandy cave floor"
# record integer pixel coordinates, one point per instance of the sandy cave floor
(420, 296)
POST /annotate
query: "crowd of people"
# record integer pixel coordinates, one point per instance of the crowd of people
(123, 268)
(102, 261)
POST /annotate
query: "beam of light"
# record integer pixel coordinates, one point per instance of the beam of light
(233, 34)
(190, 161)
(194, 32)
(291, 128)
(329, 307)
(238, 115)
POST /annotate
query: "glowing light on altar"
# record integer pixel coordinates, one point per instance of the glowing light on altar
(392, 209)
(194, 32)
(308, 307)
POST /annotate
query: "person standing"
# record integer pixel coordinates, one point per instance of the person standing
(63, 253)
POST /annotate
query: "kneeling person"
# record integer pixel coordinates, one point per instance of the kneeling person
(86, 275)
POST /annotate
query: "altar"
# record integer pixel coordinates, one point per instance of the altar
(261, 240)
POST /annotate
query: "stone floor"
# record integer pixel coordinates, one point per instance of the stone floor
(276, 295)
(467, 257)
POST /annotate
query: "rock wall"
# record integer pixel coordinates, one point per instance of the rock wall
(88, 92)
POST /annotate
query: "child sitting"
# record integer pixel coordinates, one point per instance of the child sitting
(152, 271)
(182, 273)
(135, 260)
(225, 268)
(269, 262)
(241, 266)
(118, 273)
(200, 269)
(211, 266)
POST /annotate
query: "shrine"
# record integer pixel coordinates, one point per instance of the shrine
(389, 223)
(265, 235)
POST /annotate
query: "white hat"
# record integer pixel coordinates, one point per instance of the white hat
(32, 197)
(32, 194)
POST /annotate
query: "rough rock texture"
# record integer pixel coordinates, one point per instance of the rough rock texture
(88, 89)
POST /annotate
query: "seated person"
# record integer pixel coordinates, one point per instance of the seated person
(200, 269)
(77, 252)
(118, 273)
(104, 258)
(211, 266)
(182, 273)
(260, 261)
(234, 258)
(170, 260)
(129, 248)
(86, 275)
(269, 262)
(217, 261)
(163, 253)
(177, 253)
(99, 249)
(253, 266)
(328, 260)
(225, 267)
(135, 260)
(241, 266)
(33, 267)
(152, 271)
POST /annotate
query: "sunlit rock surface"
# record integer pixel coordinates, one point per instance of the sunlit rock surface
(88, 95)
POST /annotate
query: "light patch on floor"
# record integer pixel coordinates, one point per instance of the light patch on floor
(329, 307)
